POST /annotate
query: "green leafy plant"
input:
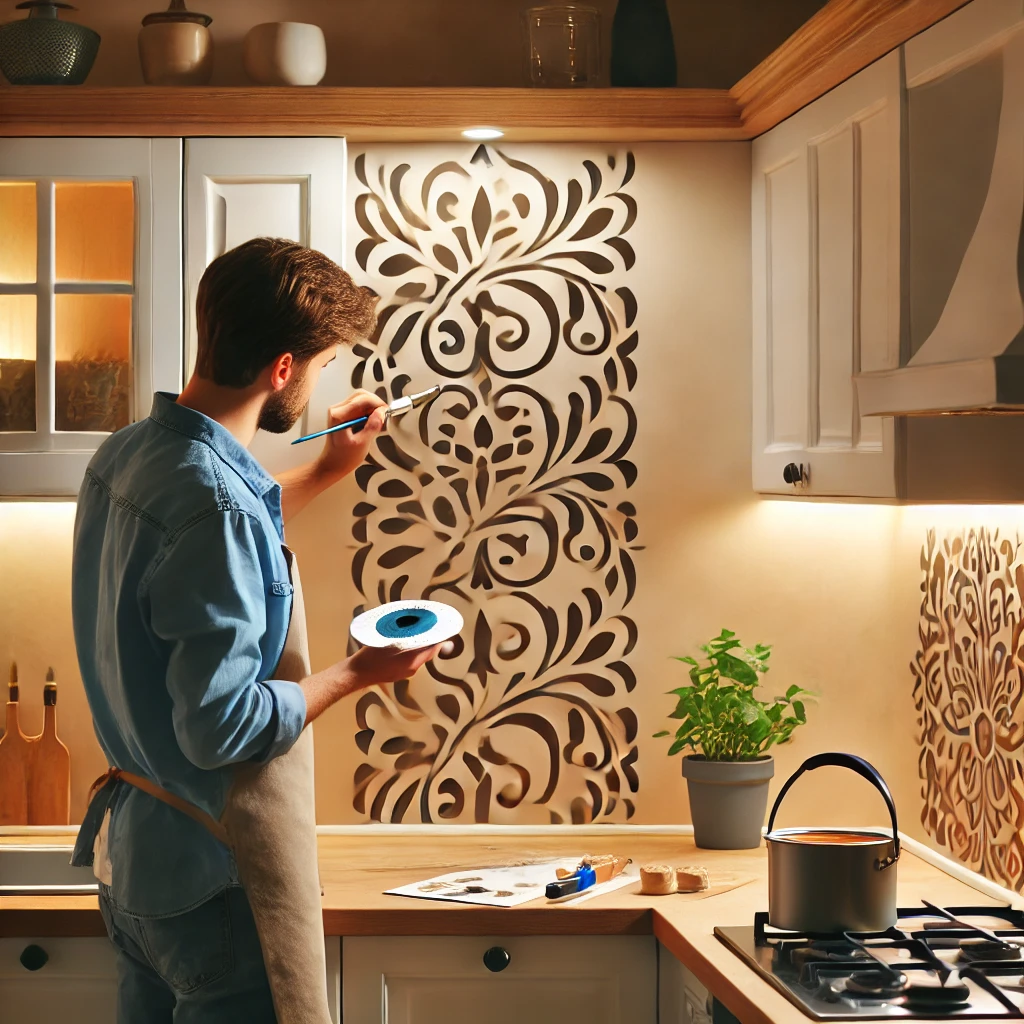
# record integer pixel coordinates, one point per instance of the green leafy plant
(721, 718)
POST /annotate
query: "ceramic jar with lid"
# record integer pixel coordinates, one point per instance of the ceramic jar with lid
(175, 46)
(285, 53)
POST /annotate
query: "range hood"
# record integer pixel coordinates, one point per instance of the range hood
(963, 226)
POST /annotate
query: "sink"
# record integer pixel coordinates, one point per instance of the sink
(43, 871)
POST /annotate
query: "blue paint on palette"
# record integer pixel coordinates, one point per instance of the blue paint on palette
(406, 622)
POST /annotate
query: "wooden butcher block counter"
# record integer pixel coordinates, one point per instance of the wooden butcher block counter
(356, 869)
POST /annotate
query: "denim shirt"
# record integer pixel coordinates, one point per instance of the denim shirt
(181, 602)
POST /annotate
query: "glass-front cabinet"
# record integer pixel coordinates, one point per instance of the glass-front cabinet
(90, 299)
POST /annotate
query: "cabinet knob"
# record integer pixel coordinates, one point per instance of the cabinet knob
(33, 958)
(794, 474)
(496, 959)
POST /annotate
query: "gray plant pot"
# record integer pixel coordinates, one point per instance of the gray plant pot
(728, 800)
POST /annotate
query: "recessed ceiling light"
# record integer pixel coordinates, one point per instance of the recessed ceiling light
(482, 134)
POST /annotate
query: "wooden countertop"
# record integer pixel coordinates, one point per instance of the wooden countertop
(355, 870)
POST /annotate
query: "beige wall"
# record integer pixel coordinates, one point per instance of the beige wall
(452, 42)
(834, 587)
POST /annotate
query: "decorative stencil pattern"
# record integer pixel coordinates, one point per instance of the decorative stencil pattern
(968, 692)
(507, 497)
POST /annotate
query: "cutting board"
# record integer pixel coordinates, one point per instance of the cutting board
(49, 777)
(15, 764)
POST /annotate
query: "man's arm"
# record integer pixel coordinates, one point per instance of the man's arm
(343, 451)
(208, 607)
(208, 603)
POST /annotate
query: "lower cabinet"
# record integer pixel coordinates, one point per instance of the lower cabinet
(534, 979)
(682, 999)
(49, 981)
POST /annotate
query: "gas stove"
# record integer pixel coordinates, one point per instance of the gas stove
(957, 962)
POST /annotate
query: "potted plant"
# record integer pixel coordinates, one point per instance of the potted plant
(730, 732)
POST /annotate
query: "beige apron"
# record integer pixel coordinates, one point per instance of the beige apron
(269, 823)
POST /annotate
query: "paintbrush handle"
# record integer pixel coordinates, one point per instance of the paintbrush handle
(331, 430)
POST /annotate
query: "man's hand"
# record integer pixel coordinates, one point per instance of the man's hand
(369, 666)
(344, 450)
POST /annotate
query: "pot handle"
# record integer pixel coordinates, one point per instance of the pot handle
(863, 769)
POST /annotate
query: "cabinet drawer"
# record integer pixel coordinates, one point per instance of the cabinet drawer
(540, 979)
(72, 979)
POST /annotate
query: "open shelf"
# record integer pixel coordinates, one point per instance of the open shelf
(373, 115)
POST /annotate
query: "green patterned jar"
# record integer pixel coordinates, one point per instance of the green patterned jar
(43, 50)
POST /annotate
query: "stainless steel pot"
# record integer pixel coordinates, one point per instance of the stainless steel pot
(829, 880)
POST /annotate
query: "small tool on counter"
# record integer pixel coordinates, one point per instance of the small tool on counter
(591, 871)
(398, 407)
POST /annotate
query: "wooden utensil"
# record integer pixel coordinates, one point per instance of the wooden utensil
(49, 780)
(15, 760)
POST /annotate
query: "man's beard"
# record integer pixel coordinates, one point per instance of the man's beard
(281, 409)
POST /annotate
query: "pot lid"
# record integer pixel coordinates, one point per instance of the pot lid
(176, 12)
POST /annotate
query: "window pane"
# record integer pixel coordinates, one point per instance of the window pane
(94, 230)
(93, 335)
(18, 232)
(17, 362)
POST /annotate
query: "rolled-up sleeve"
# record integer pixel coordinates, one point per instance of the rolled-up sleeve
(207, 601)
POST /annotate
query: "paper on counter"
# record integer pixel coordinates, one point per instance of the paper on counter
(507, 887)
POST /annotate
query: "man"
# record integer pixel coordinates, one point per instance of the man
(182, 601)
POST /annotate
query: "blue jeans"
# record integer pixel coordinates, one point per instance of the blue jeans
(198, 967)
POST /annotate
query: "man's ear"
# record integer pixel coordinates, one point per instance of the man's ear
(281, 370)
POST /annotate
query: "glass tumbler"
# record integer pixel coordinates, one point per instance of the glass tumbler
(563, 46)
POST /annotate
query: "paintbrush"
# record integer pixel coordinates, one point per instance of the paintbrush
(396, 408)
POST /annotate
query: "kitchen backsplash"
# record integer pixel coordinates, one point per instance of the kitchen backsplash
(967, 691)
(507, 281)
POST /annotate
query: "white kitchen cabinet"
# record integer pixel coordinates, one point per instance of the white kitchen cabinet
(90, 299)
(547, 980)
(826, 287)
(237, 189)
(77, 982)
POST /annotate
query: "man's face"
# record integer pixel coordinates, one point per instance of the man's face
(283, 408)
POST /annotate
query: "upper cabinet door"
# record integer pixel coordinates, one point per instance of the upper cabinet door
(90, 299)
(237, 189)
(826, 279)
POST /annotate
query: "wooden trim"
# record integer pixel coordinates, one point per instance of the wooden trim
(844, 37)
(373, 115)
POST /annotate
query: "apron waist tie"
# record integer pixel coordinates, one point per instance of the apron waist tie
(171, 799)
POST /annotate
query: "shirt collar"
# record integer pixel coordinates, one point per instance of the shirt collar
(199, 427)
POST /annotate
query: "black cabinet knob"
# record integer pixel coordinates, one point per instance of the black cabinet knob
(33, 958)
(794, 474)
(496, 959)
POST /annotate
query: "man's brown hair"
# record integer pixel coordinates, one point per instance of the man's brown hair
(269, 296)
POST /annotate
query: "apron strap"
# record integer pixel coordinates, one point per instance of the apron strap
(158, 792)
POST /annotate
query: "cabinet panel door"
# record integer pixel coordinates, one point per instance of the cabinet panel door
(77, 983)
(237, 189)
(90, 299)
(548, 980)
(826, 263)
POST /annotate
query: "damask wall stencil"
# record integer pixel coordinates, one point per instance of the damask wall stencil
(967, 691)
(504, 278)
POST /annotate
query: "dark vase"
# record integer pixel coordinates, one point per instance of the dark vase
(643, 52)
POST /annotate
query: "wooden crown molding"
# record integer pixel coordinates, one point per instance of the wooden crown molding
(844, 37)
